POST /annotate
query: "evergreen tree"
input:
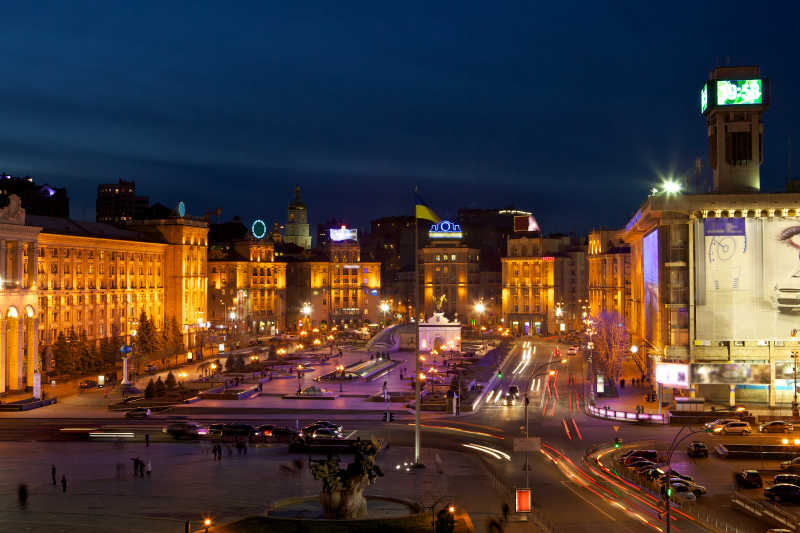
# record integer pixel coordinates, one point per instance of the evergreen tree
(150, 390)
(230, 364)
(86, 363)
(160, 388)
(171, 382)
(147, 341)
(62, 354)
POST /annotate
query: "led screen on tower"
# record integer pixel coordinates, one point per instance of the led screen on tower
(747, 277)
(650, 274)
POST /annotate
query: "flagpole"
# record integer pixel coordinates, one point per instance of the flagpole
(417, 369)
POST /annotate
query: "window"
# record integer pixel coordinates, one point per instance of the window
(438, 258)
(453, 257)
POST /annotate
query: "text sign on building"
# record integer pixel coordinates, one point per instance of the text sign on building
(672, 374)
(739, 92)
(523, 500)
(445, 230)
(343, 234)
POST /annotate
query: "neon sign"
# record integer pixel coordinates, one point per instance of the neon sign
(739, 92)
(445, 230)
(258, 229)
(704, 99)
(343, 234)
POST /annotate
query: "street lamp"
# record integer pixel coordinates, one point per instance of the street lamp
(384, 307)
(479, 309)
(299, 379)
(340, 370)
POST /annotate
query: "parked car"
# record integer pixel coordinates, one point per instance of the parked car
(215, 431)
(326, 433)
(675, 473)
(735, 428)
(749, 479)
(783, 492)
(573, 350)
(681, 491)
(234, 431)
(636, 465)
(697, 490)
(638, 455)
(183, 430)
(320, 424)
(776, 426)
(793, 464)
(697, 449)
(139, 412)
(719, 423)
(87, 384)
(792, 479)
(646, 468)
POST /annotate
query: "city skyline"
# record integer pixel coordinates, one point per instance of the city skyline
(365, 103)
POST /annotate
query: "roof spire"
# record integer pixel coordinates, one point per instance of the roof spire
(297, 193)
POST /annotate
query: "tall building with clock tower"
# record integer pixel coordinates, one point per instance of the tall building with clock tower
(297, 227)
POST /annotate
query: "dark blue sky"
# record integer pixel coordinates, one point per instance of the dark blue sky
(568, 109)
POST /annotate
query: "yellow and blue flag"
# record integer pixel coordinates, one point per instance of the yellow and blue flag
(424, 212)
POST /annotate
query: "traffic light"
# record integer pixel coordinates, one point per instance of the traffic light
(617, 442)
(499, 375)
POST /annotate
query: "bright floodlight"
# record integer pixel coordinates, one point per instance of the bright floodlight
(634, 348)
(384, 307)
(672, 187)
(306, 309)
(480, 308)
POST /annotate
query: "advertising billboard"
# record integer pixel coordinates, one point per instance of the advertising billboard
(730, 374)
(343, 234)
(525, 223)
(650, 275)
(747, 278)
(672, 375)
(739, 92)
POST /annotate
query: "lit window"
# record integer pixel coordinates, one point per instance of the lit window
(438, 258)
(453, 257)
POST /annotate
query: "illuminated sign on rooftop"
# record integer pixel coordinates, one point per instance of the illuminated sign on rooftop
(445, 230)
(704, 98)
(739, 92)
(343, 234)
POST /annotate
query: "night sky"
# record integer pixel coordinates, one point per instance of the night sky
(569, 109)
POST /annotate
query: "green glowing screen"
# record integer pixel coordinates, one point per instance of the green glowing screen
(739, 92)
(704, 98)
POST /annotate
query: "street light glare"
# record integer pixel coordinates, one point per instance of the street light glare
(480, 308)
(671, 187)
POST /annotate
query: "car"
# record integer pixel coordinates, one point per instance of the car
(697, 490)
(320, 424)
(326, 433)
(792, 479)
(719, 423)
(675, 473)
(139, 412)
(87, 384)
(697, 449)
(639, 464)
(681, 491)
(513, 390)
(264, 431)
(776, 426)
(183, 430)
(645, 454)
(645, 470)
(215, 430)
(132, 399)
(735, 428)
(510, 399)
(236, 431)
(572, 350)
(793, 464)
(783, 492)
(638, 457)
(749, 479)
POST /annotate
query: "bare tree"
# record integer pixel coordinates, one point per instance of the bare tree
(611, 344)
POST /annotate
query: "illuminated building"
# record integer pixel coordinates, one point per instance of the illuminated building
(609, 261)
(247, 287)
(714, 276)
(118, 203)
(62, 275)
(544, 283)
(450, 275)
(36, 199)
(297, 228)
(391, 243)
(338, 286)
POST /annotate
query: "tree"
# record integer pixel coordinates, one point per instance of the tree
(147, 338)
(611, 344)
(62, 355)
(171, 382)
(150, 390)
(160, 388)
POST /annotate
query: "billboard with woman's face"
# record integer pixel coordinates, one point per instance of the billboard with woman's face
(747, 278)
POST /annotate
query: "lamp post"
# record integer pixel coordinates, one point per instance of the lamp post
(384, 307)
(306, 310)
(340, 370)
(299, 379)
(479, 309)
(795, 410)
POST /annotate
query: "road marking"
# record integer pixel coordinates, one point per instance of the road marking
(576, 493)
(350, 435)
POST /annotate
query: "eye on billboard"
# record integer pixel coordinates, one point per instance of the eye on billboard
(673, 374)
(650, 275)
(747, 274)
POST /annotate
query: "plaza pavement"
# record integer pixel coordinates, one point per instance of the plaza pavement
(186, 484)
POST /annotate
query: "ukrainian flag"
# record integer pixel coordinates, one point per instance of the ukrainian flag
(424, 212)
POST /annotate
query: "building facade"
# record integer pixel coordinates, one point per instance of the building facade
(117, 203)
(297, 228)
(609, 262)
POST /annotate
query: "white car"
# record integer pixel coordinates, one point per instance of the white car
(681, 491)
(718, 423)
(793, 464)
(697, 490)
(786, 295)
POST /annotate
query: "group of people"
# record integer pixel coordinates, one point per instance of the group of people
(140, 468)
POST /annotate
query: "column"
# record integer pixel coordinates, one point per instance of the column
(732, 396)
(34, 364)
(19, 379)
(3, 358)
(19, 273)
(3, 262)
(33, 256)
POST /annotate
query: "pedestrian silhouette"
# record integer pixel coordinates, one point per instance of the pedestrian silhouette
(505, 512)
(63, 483)
(53, 473)
(22, 493)
(147, 440)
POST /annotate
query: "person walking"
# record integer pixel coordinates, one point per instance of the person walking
(147, 440)
(149, 468)
(214, 451)
(22, 494)
(64, 483)
(53, 474)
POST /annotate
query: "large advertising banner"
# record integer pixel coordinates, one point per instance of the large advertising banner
(747, 274)
(730, 374)
(650, 275)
